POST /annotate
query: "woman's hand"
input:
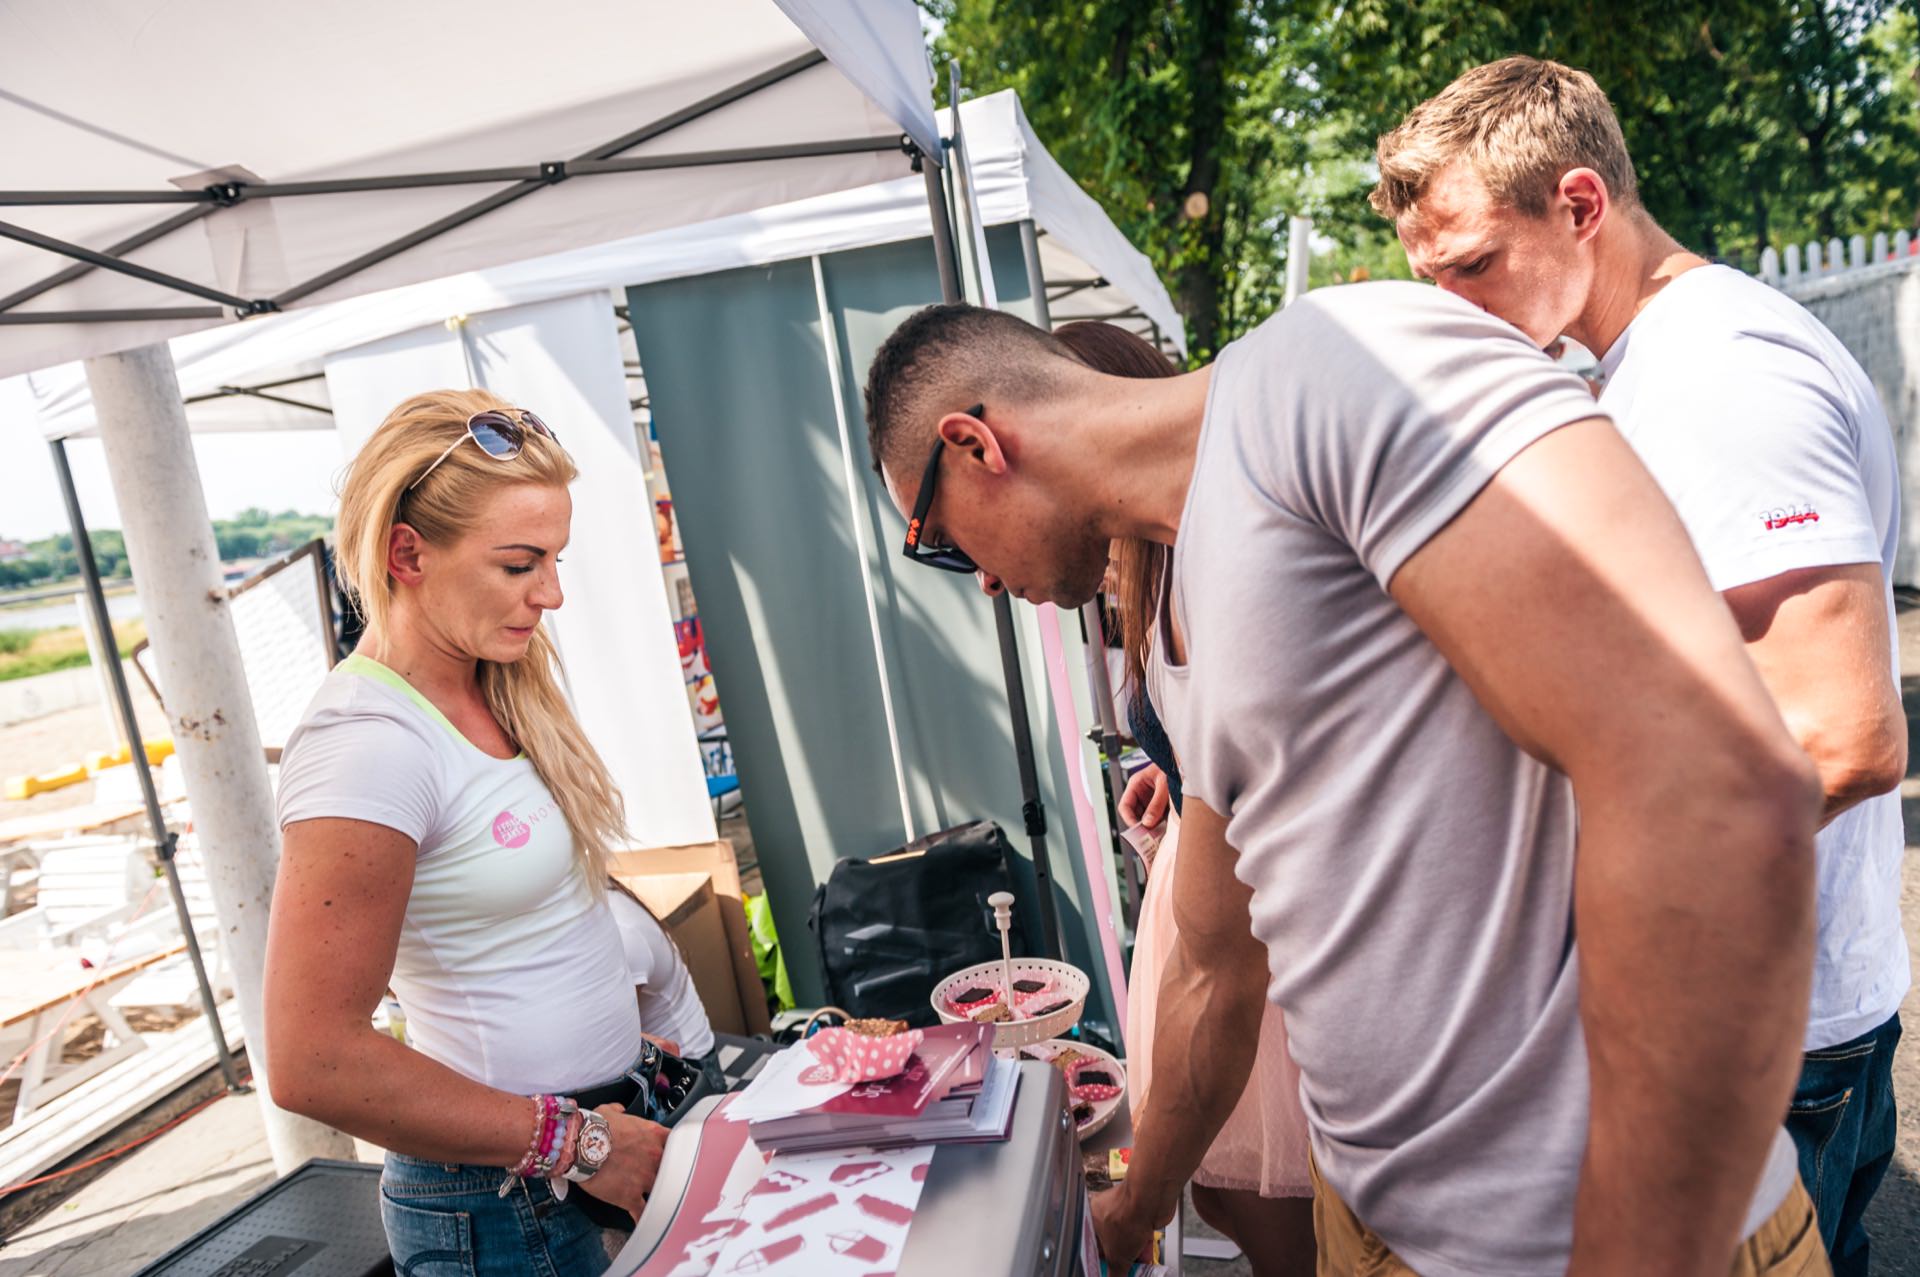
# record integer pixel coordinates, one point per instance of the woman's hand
(628, 1175)
(1144, 801)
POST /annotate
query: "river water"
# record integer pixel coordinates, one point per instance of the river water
(54, 614)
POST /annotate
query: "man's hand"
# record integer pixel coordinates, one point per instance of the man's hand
(1125, 1231)
(1145, 799)
(628, 1176)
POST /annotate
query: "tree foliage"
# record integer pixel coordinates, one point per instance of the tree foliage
(1201, 124)
(251, 534)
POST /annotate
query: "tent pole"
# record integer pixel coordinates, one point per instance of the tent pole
(163, 838)
(1092, 629)
(143, 426)
(1032, 811)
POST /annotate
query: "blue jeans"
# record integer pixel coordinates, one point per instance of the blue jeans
(1843, 1122)
(450, 1221)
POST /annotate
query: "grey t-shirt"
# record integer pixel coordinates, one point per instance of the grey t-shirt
(1411, 867)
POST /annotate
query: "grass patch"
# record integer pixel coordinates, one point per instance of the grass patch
(25, 653)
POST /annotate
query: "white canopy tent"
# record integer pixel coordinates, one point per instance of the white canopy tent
(1091, 271)
(258, 372)
(448, 135)
(172, 174)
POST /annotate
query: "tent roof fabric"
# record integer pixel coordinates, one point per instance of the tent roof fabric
(117, 96)
(1014, 175)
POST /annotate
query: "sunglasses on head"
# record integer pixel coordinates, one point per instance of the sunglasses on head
(947, 558)
(500, 432)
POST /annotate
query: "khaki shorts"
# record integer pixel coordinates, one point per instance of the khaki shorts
(1787, 1245)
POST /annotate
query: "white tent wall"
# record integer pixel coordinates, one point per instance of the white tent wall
(562, 359)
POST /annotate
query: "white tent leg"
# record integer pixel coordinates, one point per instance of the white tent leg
(143, 425)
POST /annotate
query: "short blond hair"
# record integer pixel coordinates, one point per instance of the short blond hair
(1521, 122)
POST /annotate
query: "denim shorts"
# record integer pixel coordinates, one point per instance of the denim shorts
(446, 1220)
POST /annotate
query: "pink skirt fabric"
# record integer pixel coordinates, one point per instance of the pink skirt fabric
(1263, 1147)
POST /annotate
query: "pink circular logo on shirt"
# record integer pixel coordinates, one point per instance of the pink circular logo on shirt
(511, 831)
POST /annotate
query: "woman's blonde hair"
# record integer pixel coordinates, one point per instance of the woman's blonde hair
(525, 696)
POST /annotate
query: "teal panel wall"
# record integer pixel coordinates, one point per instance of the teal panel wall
(742, 403)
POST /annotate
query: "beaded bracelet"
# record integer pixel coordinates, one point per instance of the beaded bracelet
(569, 1147)
(544, 1107)
(550, 1140)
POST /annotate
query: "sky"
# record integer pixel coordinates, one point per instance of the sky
(294, 470)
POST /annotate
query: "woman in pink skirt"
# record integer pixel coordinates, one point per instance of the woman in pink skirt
(1253, 1186)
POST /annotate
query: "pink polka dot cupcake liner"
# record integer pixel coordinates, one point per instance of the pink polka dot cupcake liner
(1092, 1080)
(853, 1057)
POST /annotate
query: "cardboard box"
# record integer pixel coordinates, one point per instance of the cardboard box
(709, 925)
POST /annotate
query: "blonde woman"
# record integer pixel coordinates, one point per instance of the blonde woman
(446, 829)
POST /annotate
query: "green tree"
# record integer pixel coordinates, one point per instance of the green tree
(1177, 117)
(1751, 122)
(1200, 126)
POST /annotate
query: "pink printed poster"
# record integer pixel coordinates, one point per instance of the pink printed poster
(825, 1214)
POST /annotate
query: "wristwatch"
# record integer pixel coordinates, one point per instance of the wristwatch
(594, 1148)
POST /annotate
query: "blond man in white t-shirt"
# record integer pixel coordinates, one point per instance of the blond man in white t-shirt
(1513, 189)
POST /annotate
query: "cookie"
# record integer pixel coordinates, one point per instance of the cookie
(876, 1028)
(993, 1013)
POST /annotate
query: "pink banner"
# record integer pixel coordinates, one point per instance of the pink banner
(1086, 825)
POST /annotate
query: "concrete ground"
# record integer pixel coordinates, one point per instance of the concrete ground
(66, 737)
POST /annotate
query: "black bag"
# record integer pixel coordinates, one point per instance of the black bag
(890, 928)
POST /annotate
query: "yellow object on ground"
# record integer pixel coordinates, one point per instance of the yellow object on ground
(158, 751)
(100, 759)
(19, 787)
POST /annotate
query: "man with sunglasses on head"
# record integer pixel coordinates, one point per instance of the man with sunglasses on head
(1425, 597)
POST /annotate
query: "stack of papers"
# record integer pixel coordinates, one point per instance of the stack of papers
(954, 1090)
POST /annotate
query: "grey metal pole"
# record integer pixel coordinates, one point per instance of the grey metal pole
(1299, 256)
(1033, 812)
(163, 838)
(1092, 629)
(143, 425)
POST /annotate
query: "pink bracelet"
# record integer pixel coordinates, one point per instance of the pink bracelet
(569, 1147)
(544, 1107)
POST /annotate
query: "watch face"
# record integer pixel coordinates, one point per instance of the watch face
(596, 1142)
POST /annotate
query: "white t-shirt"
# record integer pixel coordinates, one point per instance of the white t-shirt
(1772, 444)
(1411, 867)
(509, 969)
(670, 1006)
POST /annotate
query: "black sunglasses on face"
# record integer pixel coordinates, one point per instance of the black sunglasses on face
(945, 557)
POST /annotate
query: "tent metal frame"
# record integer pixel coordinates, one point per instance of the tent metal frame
(164, 839)
(524, 179)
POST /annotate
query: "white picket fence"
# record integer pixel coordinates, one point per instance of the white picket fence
(1823, 261)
